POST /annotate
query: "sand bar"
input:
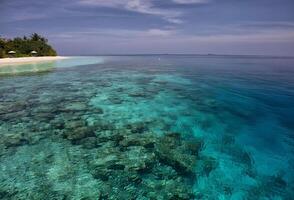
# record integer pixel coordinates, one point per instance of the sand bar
(23, 60)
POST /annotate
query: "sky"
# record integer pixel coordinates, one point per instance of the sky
(92, 27)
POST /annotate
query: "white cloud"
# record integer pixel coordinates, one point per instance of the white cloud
(139, 6)
(118, 33)
(175, 41)
(174, 36)
(160, 32)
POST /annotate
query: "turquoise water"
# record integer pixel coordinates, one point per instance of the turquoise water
(148, 127)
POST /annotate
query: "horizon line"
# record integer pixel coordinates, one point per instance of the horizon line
(181, 54)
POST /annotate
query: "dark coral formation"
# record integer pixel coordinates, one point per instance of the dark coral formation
(136, 164)
(130, 162)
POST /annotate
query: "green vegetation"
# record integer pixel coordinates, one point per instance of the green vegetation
(25, 45)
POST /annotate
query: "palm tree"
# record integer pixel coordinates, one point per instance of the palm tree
(37, 37)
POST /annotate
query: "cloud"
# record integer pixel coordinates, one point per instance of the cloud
(268, 25)
(139, 6)
(117, 33)
(160, 32)
(122, 41)
(21, 16)
(174, 35)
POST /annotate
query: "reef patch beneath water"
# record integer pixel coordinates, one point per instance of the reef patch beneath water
(123, 132)
(122, 163)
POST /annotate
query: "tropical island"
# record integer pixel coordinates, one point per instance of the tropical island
(34, 45)
(26, 49)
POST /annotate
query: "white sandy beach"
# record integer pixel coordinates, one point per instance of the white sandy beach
(23, 60)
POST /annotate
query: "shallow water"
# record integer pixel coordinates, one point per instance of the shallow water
(148, 127)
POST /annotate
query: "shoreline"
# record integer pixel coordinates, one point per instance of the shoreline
(24, 60)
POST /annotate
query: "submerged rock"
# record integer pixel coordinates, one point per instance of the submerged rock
(57, 123)
(138, 127)
(145, 140)
(102, 126)
(74, 106)
(105, 83)
(79, 133)
(89, 142)
(13, 107)
(138, 159)
(173, 151)
(12, 140)
(133, 159)
(172, 189)
(74, 124)
(106, 136)
(182, 163)
(138, 94)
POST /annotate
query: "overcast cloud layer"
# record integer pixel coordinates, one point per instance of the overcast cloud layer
(80, 27)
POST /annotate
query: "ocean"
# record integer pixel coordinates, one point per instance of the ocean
(148, 127)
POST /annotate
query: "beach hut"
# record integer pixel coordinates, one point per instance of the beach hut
(34, 53)
(11, 53)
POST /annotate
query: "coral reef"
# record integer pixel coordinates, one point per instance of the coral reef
(116, 131)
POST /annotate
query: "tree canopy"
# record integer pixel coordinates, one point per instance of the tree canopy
(23, 46)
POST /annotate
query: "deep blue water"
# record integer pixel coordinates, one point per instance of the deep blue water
(66, 125)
